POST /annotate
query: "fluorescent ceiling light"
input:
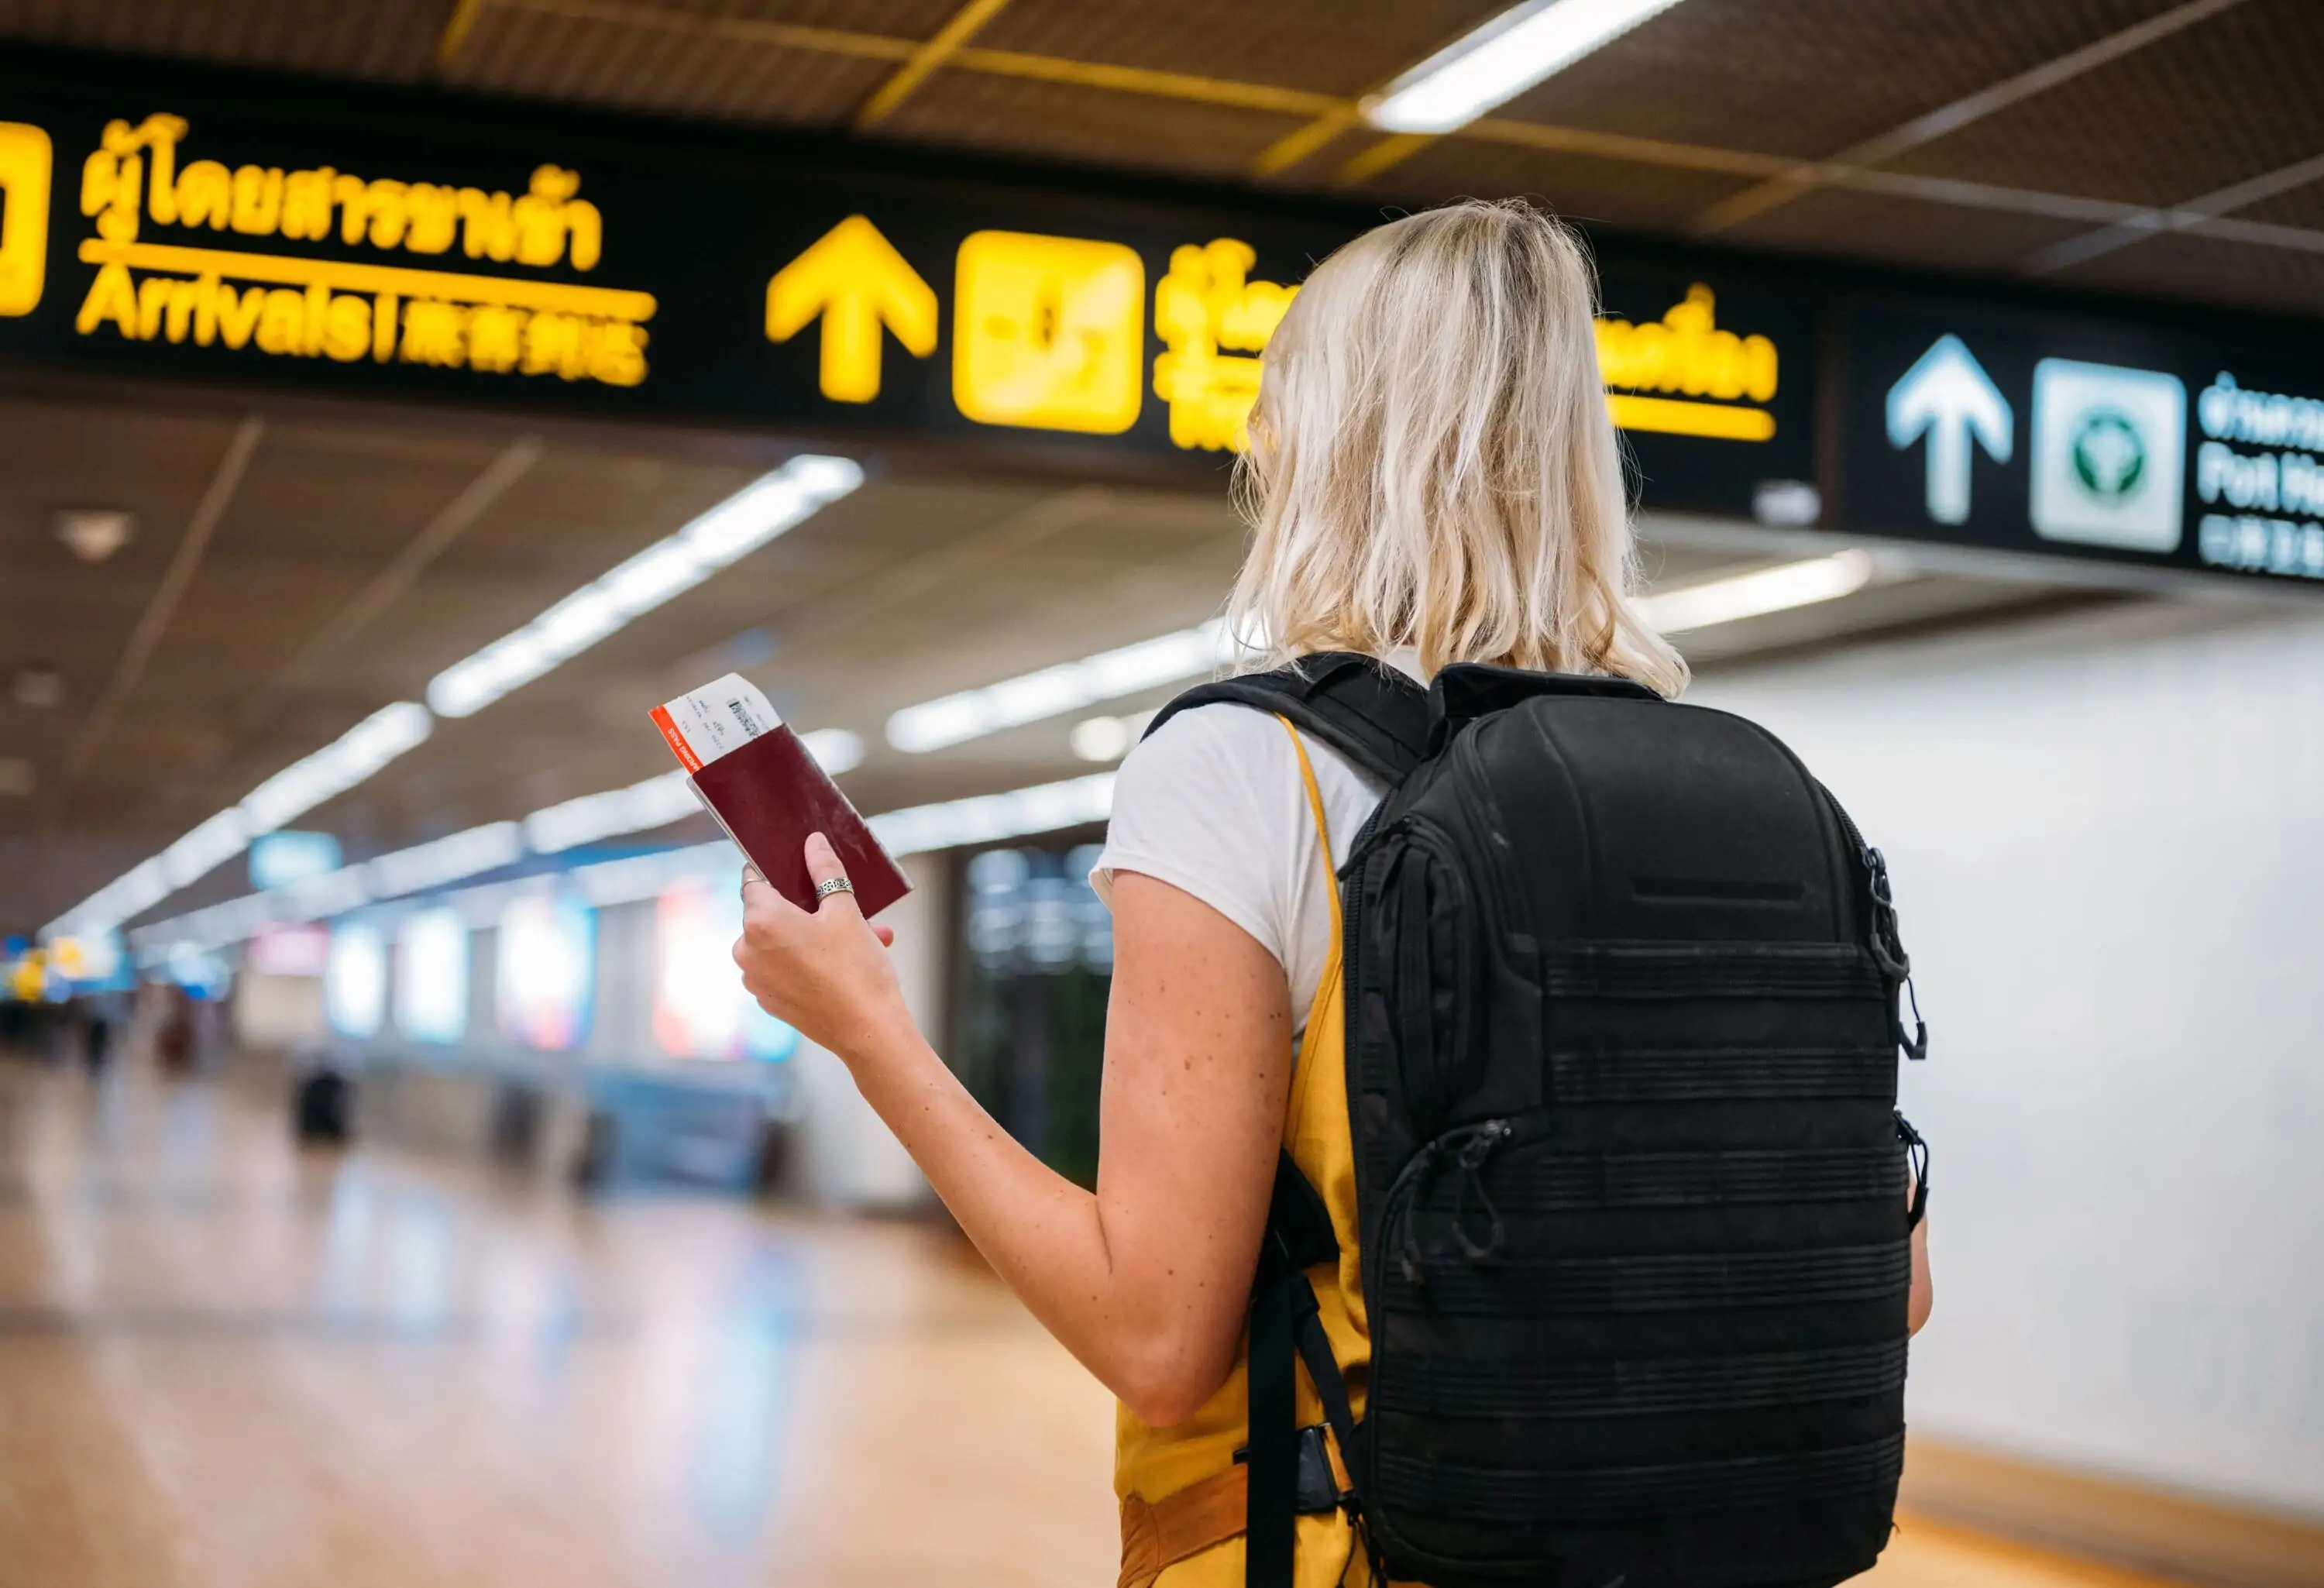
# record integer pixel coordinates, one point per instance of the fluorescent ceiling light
(955, 719)
(1754, 595)
(642, 876)
(835, 750)
(741, 523)
(1496, 63)
(988, 818)
(639, 809)
(445, 860)
(337, 766)
(658, 801)
(1107, 738)
(289, 794)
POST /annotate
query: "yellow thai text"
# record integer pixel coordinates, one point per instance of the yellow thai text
(1207, 311)
(1685, 351)
(135, 174)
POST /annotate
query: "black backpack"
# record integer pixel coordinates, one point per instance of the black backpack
(1622, 1012)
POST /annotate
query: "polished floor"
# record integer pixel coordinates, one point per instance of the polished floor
(224, 1364)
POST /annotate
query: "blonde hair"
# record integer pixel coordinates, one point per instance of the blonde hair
(1431, 465)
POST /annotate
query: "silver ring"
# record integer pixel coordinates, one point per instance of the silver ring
(825, 889)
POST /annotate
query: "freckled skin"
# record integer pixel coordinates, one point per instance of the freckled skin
(1144, 1279)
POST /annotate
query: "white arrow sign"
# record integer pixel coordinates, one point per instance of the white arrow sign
(1947, 397)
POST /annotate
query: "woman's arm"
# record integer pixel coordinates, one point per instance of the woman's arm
(1146, 1281)
(1924, 1291)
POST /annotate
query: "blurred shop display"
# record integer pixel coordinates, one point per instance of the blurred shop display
(546, 971)
(431, 986)
(355, 980)
(587, 1023)
(700, 1010)
(1032, 975)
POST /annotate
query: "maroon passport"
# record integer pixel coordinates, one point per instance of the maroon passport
(752, 772)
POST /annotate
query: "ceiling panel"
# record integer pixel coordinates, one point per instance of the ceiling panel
(667, 71)
(2185, 265)
(1586, 188)
(1809, 77)
(387, 40)
(2224, 100)
(2303, 206)
(1842, 222)
(1067, 121)
(1324, 46)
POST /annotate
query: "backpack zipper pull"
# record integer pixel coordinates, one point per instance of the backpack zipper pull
(1888, 953)
(1473, 1153)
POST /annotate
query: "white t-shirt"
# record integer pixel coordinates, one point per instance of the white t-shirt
(1212, 803)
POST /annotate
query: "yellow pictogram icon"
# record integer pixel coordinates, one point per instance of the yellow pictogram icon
(1049, 332)
(25, 158)
(856, 280)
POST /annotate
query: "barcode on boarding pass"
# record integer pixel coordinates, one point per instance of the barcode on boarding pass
(703, 724)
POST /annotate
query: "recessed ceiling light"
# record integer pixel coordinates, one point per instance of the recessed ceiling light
(1107, 738)
(43, 688)
(94, 533)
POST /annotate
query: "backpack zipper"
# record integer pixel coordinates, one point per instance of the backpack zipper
(1887, 937)
(1468, 1147)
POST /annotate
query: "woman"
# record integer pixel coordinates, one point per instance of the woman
(1433, 478)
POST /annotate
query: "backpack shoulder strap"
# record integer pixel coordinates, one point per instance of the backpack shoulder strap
(1368, 712)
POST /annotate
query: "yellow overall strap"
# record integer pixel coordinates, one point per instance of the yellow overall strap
(1286, 1324)
(1323, 831)
(1158, 1534)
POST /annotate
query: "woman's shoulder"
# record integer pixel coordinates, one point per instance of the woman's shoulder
(1219, 748)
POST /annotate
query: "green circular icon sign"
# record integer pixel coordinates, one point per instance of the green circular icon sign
(2109, 457)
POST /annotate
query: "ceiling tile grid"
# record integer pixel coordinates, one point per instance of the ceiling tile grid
(600, 59)
(1588, 189)
(1073, 122)
(1808, 79)
(2186, 265)
(1842, 223)
(1322, 45)
(385, 40)
(2225, 100)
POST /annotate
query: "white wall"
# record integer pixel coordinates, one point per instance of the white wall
(2107, 834)
(848, 1157)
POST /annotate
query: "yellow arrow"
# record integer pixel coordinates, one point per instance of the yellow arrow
(856, 280)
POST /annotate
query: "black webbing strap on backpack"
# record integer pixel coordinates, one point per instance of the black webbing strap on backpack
(1373, 715)
(1287, 1326)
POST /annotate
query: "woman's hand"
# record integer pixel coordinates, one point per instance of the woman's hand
(825, 972)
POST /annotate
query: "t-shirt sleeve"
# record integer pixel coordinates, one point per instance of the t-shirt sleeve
(1210, 803)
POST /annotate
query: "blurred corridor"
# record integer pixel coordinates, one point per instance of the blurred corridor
(225, 1363)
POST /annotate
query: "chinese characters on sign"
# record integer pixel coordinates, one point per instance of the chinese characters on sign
(298, 306)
